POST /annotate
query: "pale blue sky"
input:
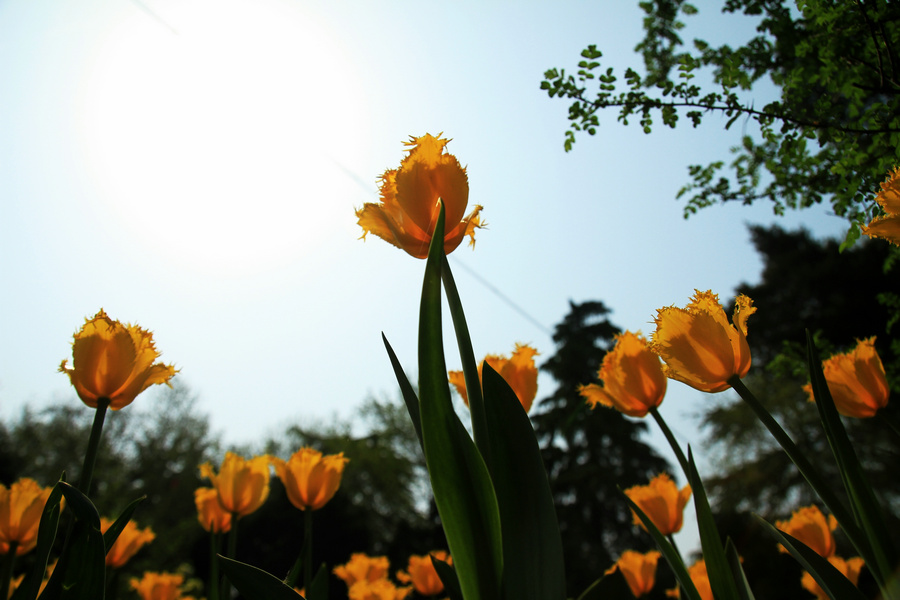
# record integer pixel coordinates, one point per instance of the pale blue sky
(194, 165)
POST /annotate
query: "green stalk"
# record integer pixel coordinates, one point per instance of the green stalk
(307, 548)
(231, 553)
(90, 456)
(213, 564)
(7, 570)
(676, 448)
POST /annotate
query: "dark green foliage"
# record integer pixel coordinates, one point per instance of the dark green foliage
(588, 453)
(832, 134)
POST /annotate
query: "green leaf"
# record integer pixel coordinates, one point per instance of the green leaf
(737, 571)
(112, 534)
(720, 579)
(318, 589)
(865, 506)
(459, 477)
(47, 529)
(532, 547)
(256, 584)
(688, 589)
(611, 586)
(406, 390)
(829, 578)
(447, 574)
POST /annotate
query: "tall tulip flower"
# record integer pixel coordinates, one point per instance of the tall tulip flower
(639, 570)
(856, 381)
(130, 540)
(632, 378)
(212, 516)
(242, 484)
(661, 502)
(113, 361)
(310, 479)
(811, 527)
(887, 227)
(518, 370)
(422, 574)
(21, 506)
(698, 344)
(409, 205)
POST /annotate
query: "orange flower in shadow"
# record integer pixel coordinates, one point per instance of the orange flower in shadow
(422, 574)
(661, 502)
(887, 227)
(518, 370)
(130, 540)
(811, 527)
(638, 569)
(21, 507)
(310, 479)
(856, 381)
(242, 484)
(632, 378)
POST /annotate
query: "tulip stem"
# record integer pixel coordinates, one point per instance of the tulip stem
(90, 456)
(676, 448)
(8, 562)
(307, 549)
(213, 564)
(232, 553)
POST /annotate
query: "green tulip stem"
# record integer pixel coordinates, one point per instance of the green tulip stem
(231, 553)
(671, 538)
(676, 448)
(213, 564)
(6, 575)
(307, 548)
(90, 456)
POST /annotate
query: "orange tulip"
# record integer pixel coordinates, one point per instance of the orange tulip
(160, 586)
(113, 361)
(632, 378)
(310, 479)
(422, 574)
(856, 381)
(887, 227)
(698, 344)
(661, 502)
(212, 516)
(810, 526)
(700, 579)
(409, 205)
(130, 540)
(362, 567)
(242, 484)
(381, 589)
(850, 569)
(21, 506)
(519, 371)
(638, 569)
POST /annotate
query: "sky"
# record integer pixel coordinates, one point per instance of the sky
(194, 166)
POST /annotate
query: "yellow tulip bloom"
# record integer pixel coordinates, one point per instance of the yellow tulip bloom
(632, 378)
(310, 479)
(422, 574)
(698, 344)
(887, 227)
(242, 484)
(21, 506)
(130, 540)
(856, 381)
(661, 502)
(638, 569)
(113, 361)
(212, 516)
(519, 371)
(362, 567)
(850, 568)
(409, 205)
(159, 586)
(810, 526)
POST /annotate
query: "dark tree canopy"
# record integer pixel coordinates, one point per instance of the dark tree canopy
(832, 134)
(590, 454)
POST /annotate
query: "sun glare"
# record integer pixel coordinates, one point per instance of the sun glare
(217, 131)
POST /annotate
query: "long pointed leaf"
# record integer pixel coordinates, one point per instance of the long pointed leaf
(611, 586)
(448, 577)
(459, 477)
(112, 534)
(254, 583)
(862, 499)
(737, 571)
(532, 546)
(406, 390)
(47, 529)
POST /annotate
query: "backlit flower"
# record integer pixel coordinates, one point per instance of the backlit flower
(856, 381)
(213, 518)
(850, 568)
(362, 567)
(700, 579)
(638, 569)
(422, 574)
(661, 502)
(130, 540)
(811, 527)
(21, 506)
(409, 205)
(310, 479)
(381, 589)
(113, 361)
(519, 371)
(632, 378)
(887, 227)
(242, 484)
(698, 344)
(159, 586)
